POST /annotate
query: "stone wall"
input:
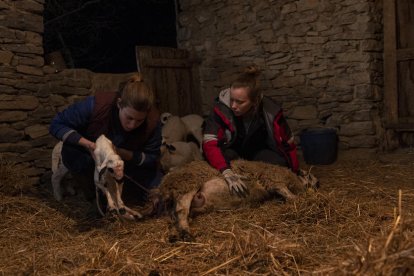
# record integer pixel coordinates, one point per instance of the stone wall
(31, 92)
(321, 58)
(24, 111)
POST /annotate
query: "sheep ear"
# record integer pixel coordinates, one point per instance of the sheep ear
(101, 172)
(164, 117)
(170, 148)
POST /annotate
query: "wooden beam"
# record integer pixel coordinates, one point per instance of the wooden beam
(390, 63)
(169, 63)
(404, 124)
(405, 54)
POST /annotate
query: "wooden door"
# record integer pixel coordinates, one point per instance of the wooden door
(172, 73)
(399, 64)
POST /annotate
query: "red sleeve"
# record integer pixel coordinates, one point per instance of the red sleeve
(214, 155)
(213, 131)
(282, 135)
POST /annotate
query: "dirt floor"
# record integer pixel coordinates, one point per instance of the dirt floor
(360, 222)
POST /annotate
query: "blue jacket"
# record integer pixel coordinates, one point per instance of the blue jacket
(73, 123)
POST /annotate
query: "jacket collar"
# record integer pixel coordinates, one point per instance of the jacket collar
(224, 97)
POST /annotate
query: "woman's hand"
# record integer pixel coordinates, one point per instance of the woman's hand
(87, 144)
(126, 155)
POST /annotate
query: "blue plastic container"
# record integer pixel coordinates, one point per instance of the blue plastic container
(319, 145)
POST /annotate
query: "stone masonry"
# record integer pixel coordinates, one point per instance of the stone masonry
(31, 92)
(321, 58)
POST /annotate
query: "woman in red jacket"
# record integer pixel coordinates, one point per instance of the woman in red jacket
(245, 124)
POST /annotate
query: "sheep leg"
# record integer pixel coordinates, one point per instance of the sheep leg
(111, 203)
(70, 189)
(286, 193)
(124, 211)
(182, 212)
(57, 177)
(131, 214)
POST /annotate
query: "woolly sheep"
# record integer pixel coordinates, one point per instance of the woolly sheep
(178, 154)
(179, 128)
(198, 188)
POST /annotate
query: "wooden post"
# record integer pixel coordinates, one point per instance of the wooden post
(390, 63)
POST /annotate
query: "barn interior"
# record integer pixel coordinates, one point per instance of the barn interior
(345, 66)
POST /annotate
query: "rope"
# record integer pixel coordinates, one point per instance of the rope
(136, 183)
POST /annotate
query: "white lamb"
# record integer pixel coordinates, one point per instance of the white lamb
(109, 174)
(58, 173)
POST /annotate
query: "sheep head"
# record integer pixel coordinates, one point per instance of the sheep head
(106, 158)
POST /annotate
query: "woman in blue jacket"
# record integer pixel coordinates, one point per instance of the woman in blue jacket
(128, 118)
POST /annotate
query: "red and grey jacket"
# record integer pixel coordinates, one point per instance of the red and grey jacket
(220, 131)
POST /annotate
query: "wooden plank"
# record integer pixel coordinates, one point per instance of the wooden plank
(143, 55)
(171, 74)
(401, 127)
(169, 63)
(405, 89)
(390, 63)
(405, 54)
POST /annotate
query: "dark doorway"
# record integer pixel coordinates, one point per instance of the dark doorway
(101, 35)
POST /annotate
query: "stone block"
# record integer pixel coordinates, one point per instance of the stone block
(36, 131)
(10, 135)
(30, 70)
(308, 112)
(12, 116)
(357, 128)
(6, 57)
(19, 147)
(23, 102)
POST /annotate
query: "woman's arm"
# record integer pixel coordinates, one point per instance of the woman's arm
(150, 154)
(212, 151)
(66, 124)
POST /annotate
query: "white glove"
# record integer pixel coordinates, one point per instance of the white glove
(235, 183)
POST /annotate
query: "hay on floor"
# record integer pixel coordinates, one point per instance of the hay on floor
(359, 222)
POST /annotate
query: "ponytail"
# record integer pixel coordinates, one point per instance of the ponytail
(136, 94)
(249, 79)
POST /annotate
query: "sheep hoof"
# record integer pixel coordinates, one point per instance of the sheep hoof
(138, 216)
(186, 236)
(173, 238)
(71, 190)
(58, 196)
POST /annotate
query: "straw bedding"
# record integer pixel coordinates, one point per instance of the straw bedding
(359, 222)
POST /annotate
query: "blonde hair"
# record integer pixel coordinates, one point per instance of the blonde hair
(249, 79)
(136, 94)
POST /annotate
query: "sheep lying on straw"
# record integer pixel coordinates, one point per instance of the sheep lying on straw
(198, 188)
